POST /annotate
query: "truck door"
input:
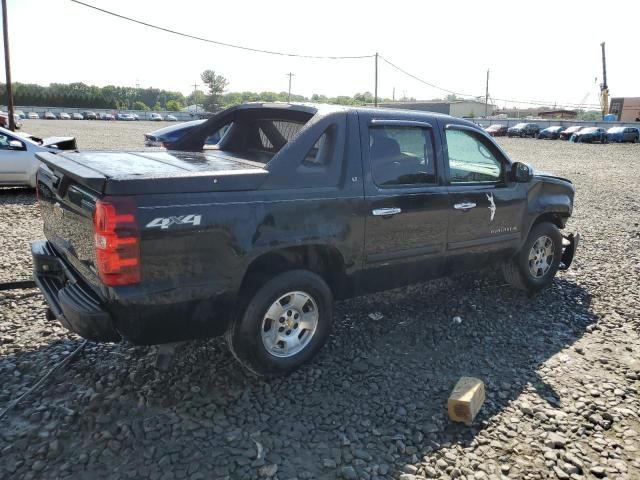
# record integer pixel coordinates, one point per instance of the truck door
(406, 202)
(486, 208)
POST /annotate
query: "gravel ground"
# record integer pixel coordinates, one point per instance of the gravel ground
(562, 368)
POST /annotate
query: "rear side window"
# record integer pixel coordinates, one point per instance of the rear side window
(321, 153)
(401, 155)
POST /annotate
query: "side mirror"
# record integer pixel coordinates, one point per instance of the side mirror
(522, 173)
(16, 145)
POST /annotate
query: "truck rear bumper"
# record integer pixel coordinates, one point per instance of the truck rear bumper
(73, 304)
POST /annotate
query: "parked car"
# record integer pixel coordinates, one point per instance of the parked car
(524, 130)
(77, 116)
(64, 116)
(590, 135)
(171, 118)
(20, 114)
(127, 117)
(135, 116)
(33, 115)
(567, 132)
(107, 116)
(155, 117)
(50, 116)
(166, 136)
(90, 115)
(255, 239)
(4, 120)
(552, 133)
(497, 130)
(18, 164)
(623, 134)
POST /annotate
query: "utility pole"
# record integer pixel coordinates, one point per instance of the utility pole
(375, 92)
(393, 95)
(7, 67)
(195, 89)
(604, 87)
(289, 75)
(486, 97)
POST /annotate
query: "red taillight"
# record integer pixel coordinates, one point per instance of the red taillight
(117, 241)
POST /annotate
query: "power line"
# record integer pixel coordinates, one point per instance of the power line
(216, 42)
(537, 102)
(424, 81)
(325, 57)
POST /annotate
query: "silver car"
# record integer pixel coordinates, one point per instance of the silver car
(18, 163)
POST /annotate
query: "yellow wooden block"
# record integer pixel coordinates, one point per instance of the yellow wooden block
(465, 400)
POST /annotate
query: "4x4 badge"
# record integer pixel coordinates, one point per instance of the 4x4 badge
(166, 222)
(492, 206)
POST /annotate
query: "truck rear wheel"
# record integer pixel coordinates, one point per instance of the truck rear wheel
(534, 267)
(284, 325)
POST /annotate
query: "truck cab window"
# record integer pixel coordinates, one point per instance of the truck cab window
(401, 155)
(470, 159)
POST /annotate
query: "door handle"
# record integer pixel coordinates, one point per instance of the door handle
(464, 206)
(386, 212)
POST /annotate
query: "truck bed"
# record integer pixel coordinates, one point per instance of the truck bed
(135, 173)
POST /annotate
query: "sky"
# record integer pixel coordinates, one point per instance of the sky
(548, 51)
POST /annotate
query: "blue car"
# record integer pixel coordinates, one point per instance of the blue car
(590, 135)
(164, 137)
(552, 133)
(623, 134)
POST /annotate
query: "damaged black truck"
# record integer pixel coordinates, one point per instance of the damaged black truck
(296, 206)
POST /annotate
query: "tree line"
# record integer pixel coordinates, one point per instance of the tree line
(81, 95)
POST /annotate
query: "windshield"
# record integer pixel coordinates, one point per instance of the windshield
(588, 130)
(615, 130)
(520, 125)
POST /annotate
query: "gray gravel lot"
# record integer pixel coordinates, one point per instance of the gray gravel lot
(562, 368)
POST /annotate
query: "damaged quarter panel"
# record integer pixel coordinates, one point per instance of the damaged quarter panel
(314, 208)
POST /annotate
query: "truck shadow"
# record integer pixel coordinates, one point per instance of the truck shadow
(17, 196)
(374, 400)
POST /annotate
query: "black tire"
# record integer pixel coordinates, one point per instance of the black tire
(523, 134)
(244, 334)
(517, 272)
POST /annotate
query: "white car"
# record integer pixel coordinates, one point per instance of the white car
(18, 163)
(64, 116)
(155, 117)
(33, 115)
(77, 116)
(171, 118)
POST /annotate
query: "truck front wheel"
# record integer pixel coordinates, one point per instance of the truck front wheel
(534, 267)
(284, 325)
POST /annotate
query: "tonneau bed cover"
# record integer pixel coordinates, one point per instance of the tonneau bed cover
(133, 173)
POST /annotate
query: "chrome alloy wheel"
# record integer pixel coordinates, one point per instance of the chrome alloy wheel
(541, 256)
(289, 324)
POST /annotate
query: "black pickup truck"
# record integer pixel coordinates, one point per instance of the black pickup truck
(296, 206)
